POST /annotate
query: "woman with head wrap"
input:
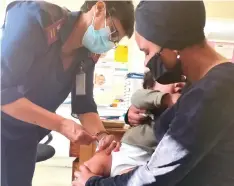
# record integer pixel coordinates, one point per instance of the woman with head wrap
(197, 148)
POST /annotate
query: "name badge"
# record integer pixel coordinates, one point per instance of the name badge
(81, 83)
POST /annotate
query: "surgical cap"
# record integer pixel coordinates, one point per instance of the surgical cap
(171, 24)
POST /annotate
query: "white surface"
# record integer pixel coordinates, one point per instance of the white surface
(225, 50)
(220, 29)
(52, 176)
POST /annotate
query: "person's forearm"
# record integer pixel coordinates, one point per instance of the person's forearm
(91, 122)
(24, 110)
(147, 99)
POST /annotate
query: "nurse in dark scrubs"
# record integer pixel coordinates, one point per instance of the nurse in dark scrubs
(46, 53)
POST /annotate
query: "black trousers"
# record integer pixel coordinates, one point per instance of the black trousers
(18, 151)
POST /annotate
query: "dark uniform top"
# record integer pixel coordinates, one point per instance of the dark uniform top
(31, 67)
(31, 64)
(196, 143)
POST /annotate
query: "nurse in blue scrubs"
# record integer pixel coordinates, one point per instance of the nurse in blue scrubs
(46, 53)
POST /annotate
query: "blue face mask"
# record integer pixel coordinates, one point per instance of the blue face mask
(97, 41)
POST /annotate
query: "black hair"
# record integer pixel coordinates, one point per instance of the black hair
(121, 10)
(148, 81)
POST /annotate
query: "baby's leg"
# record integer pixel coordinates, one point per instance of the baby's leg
(100, 164)
(128, 158)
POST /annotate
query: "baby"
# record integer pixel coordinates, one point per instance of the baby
(138, 143)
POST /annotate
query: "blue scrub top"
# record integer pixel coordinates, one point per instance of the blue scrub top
(32, 68)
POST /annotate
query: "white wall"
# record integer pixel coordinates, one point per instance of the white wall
(136, 57)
